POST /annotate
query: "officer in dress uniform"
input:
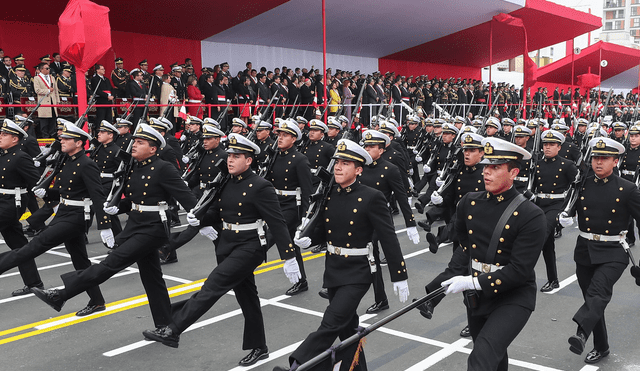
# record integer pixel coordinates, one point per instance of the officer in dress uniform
(397, 154)
(629, 167)
(143, 66)
(569, 150)
(334, 128)
(618, 132)
(77, 186)
(120, 77)
(105, 157)
(604, 205)
(148, 186)
(66, 91)
(412, 138)
(554, 175)
(20, 86)
(204, 172)
(497, 276)
(244, 203)
(317, 150)
(385, 177)
(352, 213)
(18, 175)
(291, 178)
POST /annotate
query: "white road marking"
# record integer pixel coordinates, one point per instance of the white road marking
(439, 355)
(272, 355)
(564, 283)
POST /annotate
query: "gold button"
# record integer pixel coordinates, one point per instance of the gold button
(498, 282)
(469, 217)
(586, 219)
(470, 231)
(327, 220)
(499, 251)
(355, 211)
(501, 239)
(474, 245)
(613, 210)
(515, 213)
(473, 203)
(507, 226)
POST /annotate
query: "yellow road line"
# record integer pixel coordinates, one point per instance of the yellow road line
(138, 301)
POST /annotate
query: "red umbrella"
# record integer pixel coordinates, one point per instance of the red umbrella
(85, 36)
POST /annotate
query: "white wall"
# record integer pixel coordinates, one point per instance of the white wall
(513, 78)
(271, 57)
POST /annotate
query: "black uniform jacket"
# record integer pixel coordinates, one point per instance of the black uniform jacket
(17, 171)
(350, 217)
(290, 171)
(604, 207)
(385, 177)
(245, 199)
(150, 182)
(518, 249)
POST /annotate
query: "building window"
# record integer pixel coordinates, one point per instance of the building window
(634, 2)
(614, 3)
(608, 26)
(635, 22)
(614, 14)
(551, 51)
(618, 25)
(634, 10)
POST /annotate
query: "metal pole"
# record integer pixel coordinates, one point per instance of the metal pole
(324, 59)
(490, 61)
(573, 58)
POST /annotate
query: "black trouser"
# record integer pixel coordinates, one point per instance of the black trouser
(492, 334)
(596, 282)
(11, 231)
(631, 232)
(48, 127)
(104, 113)
(233, 272)
(63, 231)
(136, 115)
(40, 216)
(549, 248)
(139, 248)
(340, 320)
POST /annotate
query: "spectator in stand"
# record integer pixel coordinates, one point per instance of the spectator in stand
(194, 96)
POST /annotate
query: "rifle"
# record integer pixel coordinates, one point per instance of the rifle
(54, 165)
(213, 189)
(224, 113)
(294, 109)
(36, 108)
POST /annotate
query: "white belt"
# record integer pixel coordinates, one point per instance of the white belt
(522, 178)
(411, 147)
(368, 251)
(255, 226)
(297, 193)
(86, 203)
(314, 171)
(139, 99)
(15, 191)
(603, 237)
(147, 208)
(484, 267)
(628, 172)
(194, 101)
(550, 196)
(106, 175)
(203, 185)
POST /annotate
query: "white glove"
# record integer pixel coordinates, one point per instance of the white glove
(410, 171)
(111, 210)
(418, 158)
(439, 172)
(292, 270)
(185, 159)
(304, 222)
(426, 168)
(209, 233)
(415, 151)
(46, 151)
(436, 199)
(413, 234)
(459, 284)
(186, 183)
(36, 163)
(40, 192)
(192, 220)
(401, 289)
(410, 199)
(303, 242)
(107, 237)
(439, 182)
(183, 138)
(564, 219)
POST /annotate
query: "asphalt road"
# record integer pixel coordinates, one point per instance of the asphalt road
(34, 337)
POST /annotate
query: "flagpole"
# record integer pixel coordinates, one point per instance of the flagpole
(573, 58)
(324, 59)
(490, 61)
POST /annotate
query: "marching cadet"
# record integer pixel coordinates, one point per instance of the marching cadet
(77, 185)
(334, 129)
(467, 179)
(352, 213)
(629, 167)
(120, 77)
(569, 149)
(412, 137)
(449, 133)
(105, 157)
(507, 127)
(492, 127)
(124, 133)
(304, 129)
(618, 132)
(578, 135)
(148, 187)
(554, 175)
(18, 175)
(204, 172)
(521, 135)
(604, 205)
(170, 153)
(193, 134)
(262, 139)
(291, 178)
(385, 177)
(397, 155)
(317, 150)
(495, 268)
(238, 126)
(244, 203)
